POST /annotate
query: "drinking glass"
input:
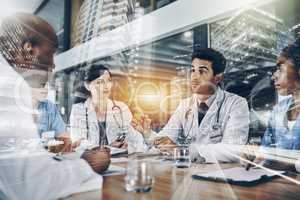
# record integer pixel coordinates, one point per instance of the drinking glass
(139, 176)
(181, 156)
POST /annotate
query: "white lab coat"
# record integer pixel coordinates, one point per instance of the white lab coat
(15, 105)
(117, 121)
(36, 175)
(30, 176)
(233, 121)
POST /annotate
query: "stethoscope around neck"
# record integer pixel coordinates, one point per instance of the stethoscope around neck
(120, 125)
(216, 125)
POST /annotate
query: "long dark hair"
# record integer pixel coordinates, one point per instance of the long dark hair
(93, 72)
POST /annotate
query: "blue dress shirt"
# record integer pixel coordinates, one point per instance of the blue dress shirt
(49, 119)
(278, 132)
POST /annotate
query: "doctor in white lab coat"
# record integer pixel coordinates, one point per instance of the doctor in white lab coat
(210, 117)
(101, 120)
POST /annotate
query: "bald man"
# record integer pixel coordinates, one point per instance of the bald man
(27, 46)
(29, 42)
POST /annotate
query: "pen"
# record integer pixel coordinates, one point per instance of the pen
(249, 164)
(121, 138)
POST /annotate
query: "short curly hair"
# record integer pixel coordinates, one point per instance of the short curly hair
(218, 60)
(292, 52)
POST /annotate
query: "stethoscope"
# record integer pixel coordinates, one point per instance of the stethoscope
(120, 125)
(215, 127)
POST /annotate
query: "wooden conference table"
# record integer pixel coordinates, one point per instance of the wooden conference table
(175, 183)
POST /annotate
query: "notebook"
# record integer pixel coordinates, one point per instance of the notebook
(239, 176)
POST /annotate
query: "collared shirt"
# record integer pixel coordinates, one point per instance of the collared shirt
(209, 101)
(49, 119)
(225, 122)
(22, 174)
(84, 125)
(278, 133)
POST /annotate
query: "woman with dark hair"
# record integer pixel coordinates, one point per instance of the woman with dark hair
(100, 120)
(283, 128)
(284, 124)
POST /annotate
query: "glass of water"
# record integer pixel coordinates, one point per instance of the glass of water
(181, 156)
(139, 176)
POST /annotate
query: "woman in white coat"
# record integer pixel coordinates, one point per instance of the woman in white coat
(100, 120)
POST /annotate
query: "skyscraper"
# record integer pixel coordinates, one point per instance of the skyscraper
(99, 16)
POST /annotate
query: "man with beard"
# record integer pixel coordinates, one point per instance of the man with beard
(208, 120)
(27, 171)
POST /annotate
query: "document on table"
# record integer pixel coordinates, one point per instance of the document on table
(119, 160)
(117, 151)
(239, 176)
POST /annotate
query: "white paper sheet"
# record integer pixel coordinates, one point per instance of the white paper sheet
(119, 160)
(114, 170)
(116, 151)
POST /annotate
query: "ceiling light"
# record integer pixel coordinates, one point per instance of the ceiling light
(188, 34)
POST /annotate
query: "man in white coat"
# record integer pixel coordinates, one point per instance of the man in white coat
(209, 118)
(27, 171)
